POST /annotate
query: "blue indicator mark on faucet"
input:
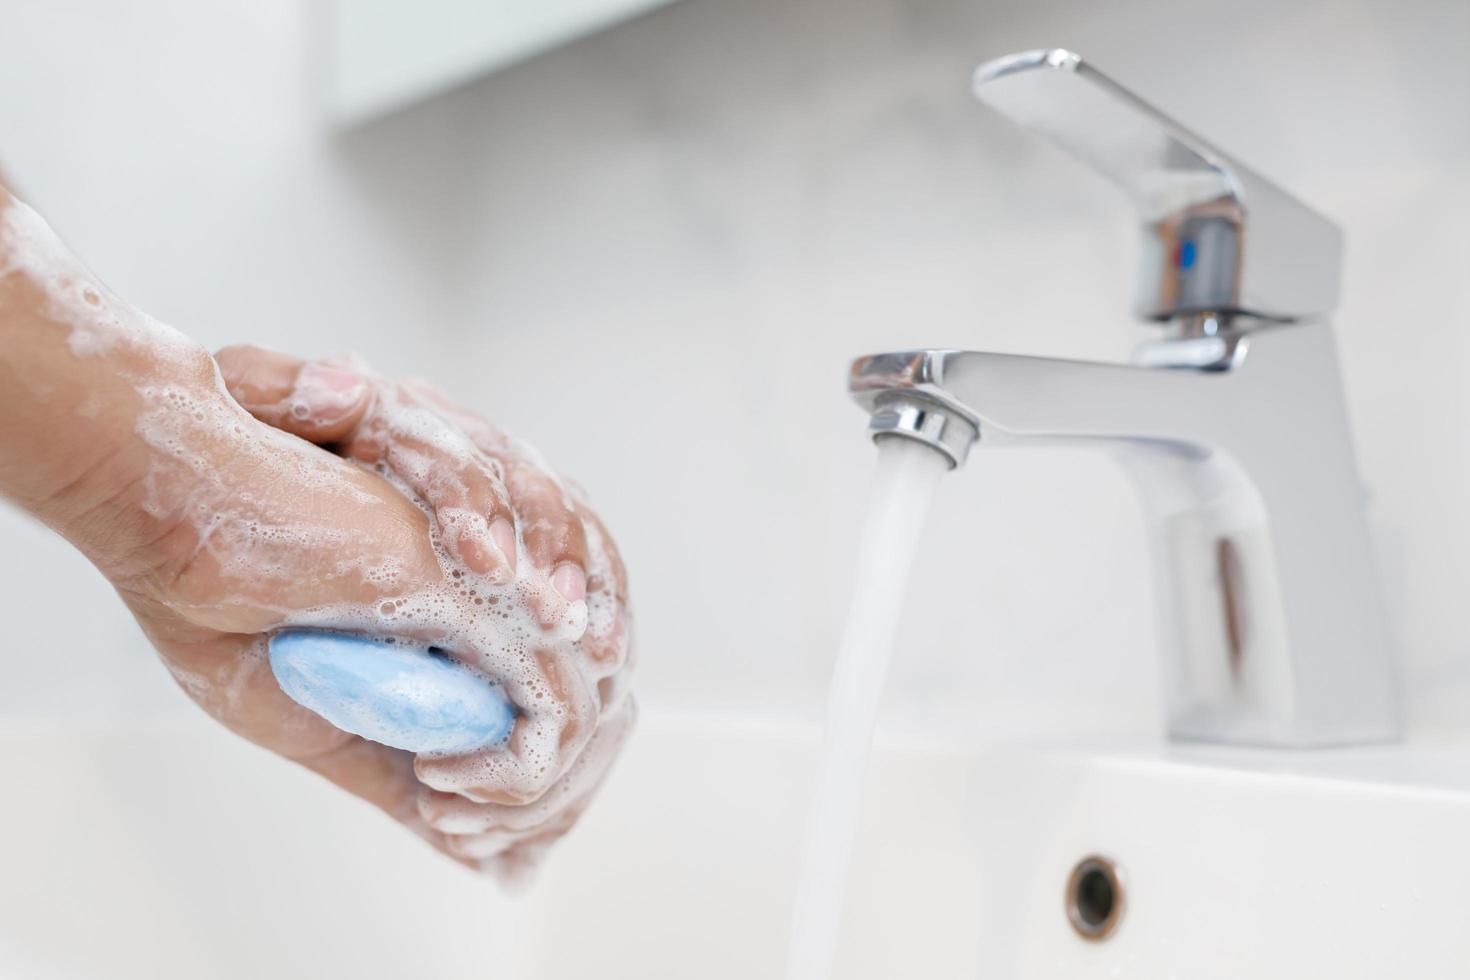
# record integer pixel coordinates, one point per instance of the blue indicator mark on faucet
(1186, 255)
(405, 696)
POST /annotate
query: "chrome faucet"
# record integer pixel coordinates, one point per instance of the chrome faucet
(1232, 423)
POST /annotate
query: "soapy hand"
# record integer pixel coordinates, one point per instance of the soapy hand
(538, 599)
(218, 530)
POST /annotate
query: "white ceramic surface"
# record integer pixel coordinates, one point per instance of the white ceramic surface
(179, 851)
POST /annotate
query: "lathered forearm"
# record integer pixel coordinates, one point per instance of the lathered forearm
(72, 359)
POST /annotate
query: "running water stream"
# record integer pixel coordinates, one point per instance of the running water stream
(903, 489)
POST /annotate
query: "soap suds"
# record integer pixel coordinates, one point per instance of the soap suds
(99, 321)
(236, 484)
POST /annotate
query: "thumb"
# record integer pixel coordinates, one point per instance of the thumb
(291, 533)
(318, 402)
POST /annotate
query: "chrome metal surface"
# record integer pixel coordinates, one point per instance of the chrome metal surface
(1233, 427)
(911, 416)
(1217, 236)
(1272, 629)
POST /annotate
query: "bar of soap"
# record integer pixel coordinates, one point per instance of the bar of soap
(398, 694)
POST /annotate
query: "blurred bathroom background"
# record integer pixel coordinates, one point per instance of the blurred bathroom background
(652, 252)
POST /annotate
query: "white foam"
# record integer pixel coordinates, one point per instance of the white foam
(98, 321)
(237, 485)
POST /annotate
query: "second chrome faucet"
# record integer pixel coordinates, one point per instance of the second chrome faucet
(1232, 424)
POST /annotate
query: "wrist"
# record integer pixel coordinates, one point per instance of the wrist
(78, 370)
(96, 480)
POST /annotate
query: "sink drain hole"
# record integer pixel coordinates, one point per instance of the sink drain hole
(1094, 898)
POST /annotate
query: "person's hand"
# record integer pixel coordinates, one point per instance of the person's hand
(217, 530)
(214, 528)
(516, 540)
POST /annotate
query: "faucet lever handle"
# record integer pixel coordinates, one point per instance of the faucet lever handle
(1218, 237)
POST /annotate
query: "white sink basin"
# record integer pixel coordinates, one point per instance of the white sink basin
(1237, 864)
(178, 851)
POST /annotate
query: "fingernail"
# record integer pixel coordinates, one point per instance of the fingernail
(475, 555)
(571, 582)
(332, 379)
(504, 536)
(323, 391)
(465, 533)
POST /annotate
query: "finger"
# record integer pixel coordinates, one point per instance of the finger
(464, 489)
(478, 847)
(547, 516)
(604, 559)
(560, 710)
(556, 541)
(607, 642)
(514, 857)
(457, 816)
(315, 401)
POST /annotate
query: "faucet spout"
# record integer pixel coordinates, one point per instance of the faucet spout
(1272, 631)
(1233, 428)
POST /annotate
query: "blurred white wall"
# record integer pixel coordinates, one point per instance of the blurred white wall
(654, 252)
(382, 55)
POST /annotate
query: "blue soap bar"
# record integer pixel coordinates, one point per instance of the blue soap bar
(398, 694)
